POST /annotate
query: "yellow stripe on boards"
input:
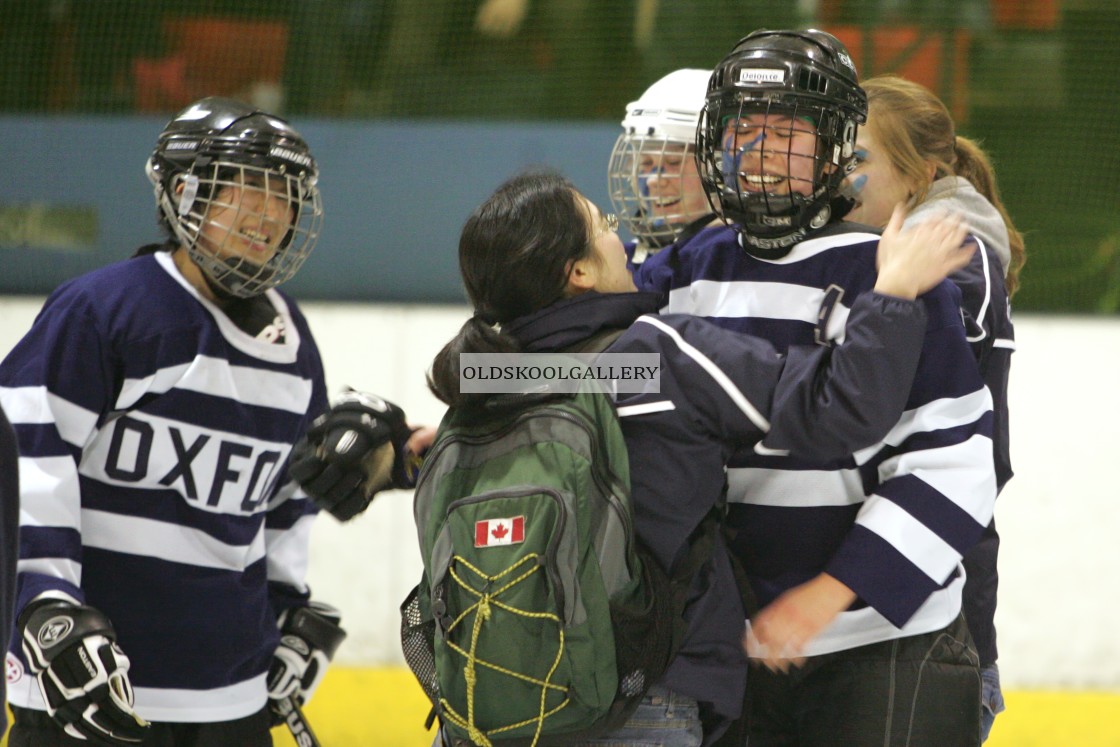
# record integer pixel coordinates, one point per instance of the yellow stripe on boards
(386, 708)
(1057, 719)
(366, 708)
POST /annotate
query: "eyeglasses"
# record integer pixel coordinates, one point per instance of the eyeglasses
(610, 224)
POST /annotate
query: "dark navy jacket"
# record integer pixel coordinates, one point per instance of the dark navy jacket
(721, 391)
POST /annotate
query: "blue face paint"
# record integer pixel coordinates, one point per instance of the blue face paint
(756, 141)
(859, 156)
(733, 157)
(858, 184)
(644, 177)
(729, 160)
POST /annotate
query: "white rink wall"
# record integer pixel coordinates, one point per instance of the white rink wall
(1058, 517)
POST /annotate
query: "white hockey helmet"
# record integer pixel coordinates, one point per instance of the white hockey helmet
(670, 108)
(652, 155)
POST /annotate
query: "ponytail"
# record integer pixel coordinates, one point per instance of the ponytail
(915, 130)
(515, 254)
(477, 335)
(975, 166)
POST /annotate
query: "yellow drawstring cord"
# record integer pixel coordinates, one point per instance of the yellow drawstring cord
(483, 613)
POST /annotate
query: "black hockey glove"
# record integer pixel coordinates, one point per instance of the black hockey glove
(309, 636)
(351, 452)
(82, 673)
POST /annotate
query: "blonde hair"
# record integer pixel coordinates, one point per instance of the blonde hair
(915, 131)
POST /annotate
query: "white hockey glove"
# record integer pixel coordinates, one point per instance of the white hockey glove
(309, 636)
(351, 452)
(82, 673)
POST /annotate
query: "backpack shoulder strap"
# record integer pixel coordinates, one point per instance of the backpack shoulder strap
(597, 343)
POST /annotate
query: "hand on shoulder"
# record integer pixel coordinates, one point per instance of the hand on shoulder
(915, 259)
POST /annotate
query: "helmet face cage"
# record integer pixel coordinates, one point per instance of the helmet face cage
(237, 188)
(769, 190)
(646, 178)
(227, 207)
(773, 206)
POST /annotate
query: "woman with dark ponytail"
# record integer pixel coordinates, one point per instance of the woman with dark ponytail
(545, 272)
(516, 253)
(910, 151)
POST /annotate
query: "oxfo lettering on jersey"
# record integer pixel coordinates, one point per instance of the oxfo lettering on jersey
(208, 467)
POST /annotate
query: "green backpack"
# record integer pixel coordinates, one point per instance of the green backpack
(539, 619)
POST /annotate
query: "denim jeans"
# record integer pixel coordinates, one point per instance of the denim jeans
(662, 719)
(991, 703)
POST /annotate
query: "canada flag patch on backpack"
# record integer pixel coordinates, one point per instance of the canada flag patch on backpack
(490, 532)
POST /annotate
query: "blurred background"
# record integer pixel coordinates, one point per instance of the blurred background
(417, 109)
(1034, 80)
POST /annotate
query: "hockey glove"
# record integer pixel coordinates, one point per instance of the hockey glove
(82, 673)
(309, 636)
(351, 452)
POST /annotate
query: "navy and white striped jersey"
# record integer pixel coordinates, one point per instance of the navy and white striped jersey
(154, 438)
(988, 326)
(892, 520)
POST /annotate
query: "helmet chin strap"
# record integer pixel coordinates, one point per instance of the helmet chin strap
(223, 296)
(188, 195)
(776, 247)
(227, 288)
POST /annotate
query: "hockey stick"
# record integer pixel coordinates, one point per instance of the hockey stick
(297, 723)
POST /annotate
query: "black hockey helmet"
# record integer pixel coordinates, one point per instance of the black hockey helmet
(219, 143)
(805, 75)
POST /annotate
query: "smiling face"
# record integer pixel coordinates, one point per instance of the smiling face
(604, 269)
(244, 228)
(247, 220)
(671, 184)
(771, 154)
(655, 187)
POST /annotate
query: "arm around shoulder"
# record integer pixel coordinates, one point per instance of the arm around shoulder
(831, 402)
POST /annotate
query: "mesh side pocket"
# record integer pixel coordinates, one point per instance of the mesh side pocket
(418, 644)
(643, 636)
(643, 631)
